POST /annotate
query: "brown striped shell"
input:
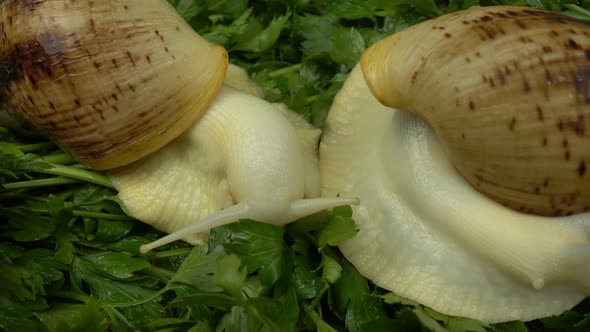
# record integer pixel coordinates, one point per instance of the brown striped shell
(109, 81)
(508, 91)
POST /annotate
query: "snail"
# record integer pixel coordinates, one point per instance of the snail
(129, 87)
(108, 81)
(533, 157)
(470, 151)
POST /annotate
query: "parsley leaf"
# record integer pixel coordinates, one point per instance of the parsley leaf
(260, 247)
(258, 39)
(340, 228)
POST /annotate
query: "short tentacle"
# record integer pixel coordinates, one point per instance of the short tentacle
(304, 207)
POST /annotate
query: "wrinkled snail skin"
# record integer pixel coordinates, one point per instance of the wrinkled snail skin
(308, 135)
(426, 234)
(109, 81)
(258, 150)
(507, 89)
(245, 158)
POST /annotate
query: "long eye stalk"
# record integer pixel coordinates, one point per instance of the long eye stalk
(297, 209)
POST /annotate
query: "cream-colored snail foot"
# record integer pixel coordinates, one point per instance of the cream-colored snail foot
(427, 235)
(243, 159)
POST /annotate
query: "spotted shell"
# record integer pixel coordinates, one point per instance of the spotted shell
(109, 81)
(507, 89)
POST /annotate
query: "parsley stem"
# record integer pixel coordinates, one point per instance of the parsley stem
(58, 158)
(39, 183)
(110, 313)
(80, 174)
(261, 318)
(36, 147)
(118, 314)
(172, 253)
(316, 301)
(159, 273)
(141, 301)
(101, 215)
(284, 70)
(317, 320)
(95, 215)
(579, 10)
(311, 99)
(22, 195)
(70, 295)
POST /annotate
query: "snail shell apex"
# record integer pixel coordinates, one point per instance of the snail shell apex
(109, 81)
(507, 89)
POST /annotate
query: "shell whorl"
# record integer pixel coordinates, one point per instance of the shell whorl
(508, 91)
(109, 81)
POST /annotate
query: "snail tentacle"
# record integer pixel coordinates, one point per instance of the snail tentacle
(304, 207)
(297, 209)
(223, 217)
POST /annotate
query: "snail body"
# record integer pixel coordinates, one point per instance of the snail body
(109, 81)
(508, 91)
(453, 212)
(244, 159)
(426, 234)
